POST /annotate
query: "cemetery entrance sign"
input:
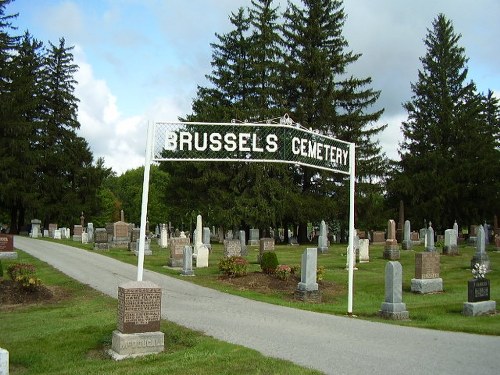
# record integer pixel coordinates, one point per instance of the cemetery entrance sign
(283, 142)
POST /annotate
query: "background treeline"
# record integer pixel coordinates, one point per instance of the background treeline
(271, 62)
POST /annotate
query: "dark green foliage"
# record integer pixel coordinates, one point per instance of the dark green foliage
(450, 159)
(269, 262)
(1, 269)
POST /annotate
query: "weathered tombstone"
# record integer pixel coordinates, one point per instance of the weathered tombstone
(243, 242)
(52, 228)
(393, 307)
(4, 362)
(254, 237)
(415, 238)
(407, 242)
(90, 231)
(35, 228)
(57, 234)
(480, 256)
(135, 233)
(455, 228)
(187, 264)
(176, 246)
(147, 247)
(307, 289)
(391, 249)
(323, 238)
(422, 235)
(77, 233)
(101, 239)
(450, 242)
(198, 238)
(7, 246)
(139, 315)
(429, 239)
(163, 237)
(266, 244)
(202, 257)
(364, 250)
(46, 233)
(206, 238)
(427, 269)
(85, 237)
(486, 228)
(478, 294)
(121, 234)
(232, 248)
(378, 237)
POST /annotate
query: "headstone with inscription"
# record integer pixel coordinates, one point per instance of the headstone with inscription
(206, 238)
(378, 237)
(266, 244)
(243, 236)
(134, 239)
(407, 242)
(232, 248)
(77, 233)
(307, 288)
(450, 242)
(90, 232)
(139, 316)
(57, 234)
(187, 264)
(429, 239)
(478, 294)
(393, 306)
(101, 239)
(121, 236)
(7, 246)
(427, 270)
(364, 250)
(176, 246)
(391, 249)
(52, 228)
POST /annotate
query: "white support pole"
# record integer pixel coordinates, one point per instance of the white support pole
(144, 206)
(352, 176)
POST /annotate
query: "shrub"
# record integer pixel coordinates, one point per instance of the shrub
(24, 274)
(1, 269)
(269, 262)
(320, 273)
(234, 266)
(283, 272)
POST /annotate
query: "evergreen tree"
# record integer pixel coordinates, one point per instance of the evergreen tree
(323, 97)
(448, 153)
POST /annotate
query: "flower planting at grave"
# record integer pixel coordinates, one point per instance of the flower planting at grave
(479, 271)
(233, 266)
(24, 274)
(283, 272)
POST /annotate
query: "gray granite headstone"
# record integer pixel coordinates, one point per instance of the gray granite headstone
(480, 256)
(90, 231)
(243, 242)
(407, 242)
(308, 290)
(206, 238)
(254, 237)
(450, 242)
(187, 266)
(429, 239)
(393, 306)
(323, 238)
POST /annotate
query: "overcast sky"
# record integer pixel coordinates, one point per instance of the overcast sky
(141, 60)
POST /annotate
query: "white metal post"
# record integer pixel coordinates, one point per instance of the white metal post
(352, 175)
(144, 206)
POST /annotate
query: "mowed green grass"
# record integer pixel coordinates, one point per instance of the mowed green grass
(71, 336)
(441, 311)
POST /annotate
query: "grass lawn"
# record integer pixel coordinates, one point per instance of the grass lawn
(70, 335)
(442, 311)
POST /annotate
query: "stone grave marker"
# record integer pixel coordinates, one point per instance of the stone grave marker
(378, 237)
(202, 257)
(101, 239)
(480, 256)
(364, 250)
(52, 228)
(254, 237)
(121, 236)
(429, 239)
(90, 232)
(85, 237)
(243, 236)
(139, 315)
(391, 249)
(427, 269)
(163, 237)
(77, 233)
(147, 247)
(187, 264)
(176, 246)
(323, 238)
(478, 294)
(232, 248)
(134, 239)
(7, 246)
(35, 228)
(450, 242)
(393, 306)
(407, 242)
(4, 362)
(266, 244)
(206, 238)
(57, 234)
(307, 288)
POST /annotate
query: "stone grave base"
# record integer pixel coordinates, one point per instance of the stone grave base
(407, 245)
(132, 246)
(394, 311)
(175, 262)
(391, 254)
(187, 273)
(253, 243)
(101, 246)
(322, 250)
(146, 252)
(77, 238)
(424, 286)
(120, 243)
(129, 345)
(308, 295)
(450, 250)
(479, 308)
(8, 254)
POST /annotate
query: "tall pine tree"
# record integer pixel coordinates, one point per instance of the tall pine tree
(449, 165)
